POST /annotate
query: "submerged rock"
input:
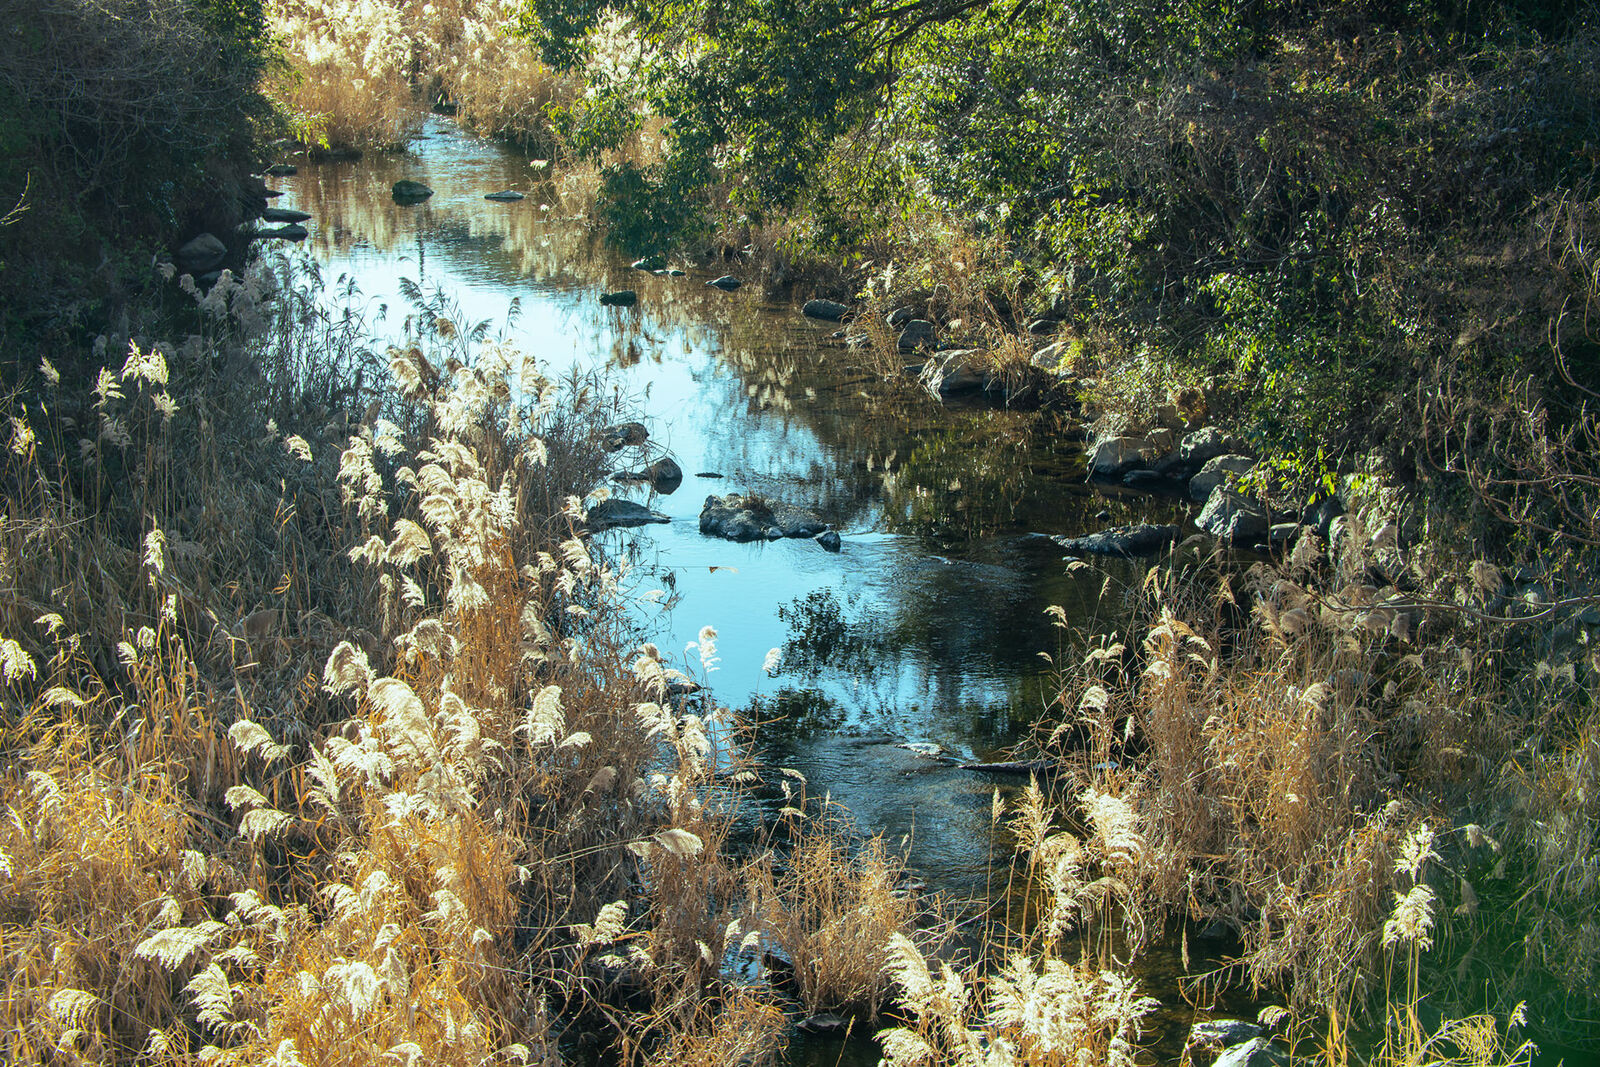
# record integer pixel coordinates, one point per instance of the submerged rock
(282, 170)
(831, 310)
(826, 1023)
(1140, 539)
(727, 283)
(1147, 481)
(406, 191)
(622, 298)
(614, 512)
(748, 517)
(292, 232)
(284, 214)
(1036, 767)
(650, 263)
(664, 475)
(505, 196)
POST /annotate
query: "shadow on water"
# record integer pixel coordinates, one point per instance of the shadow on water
(926, 628)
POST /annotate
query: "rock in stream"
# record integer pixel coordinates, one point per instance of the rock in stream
(611, 513)
(1140, 539)
(748, 517)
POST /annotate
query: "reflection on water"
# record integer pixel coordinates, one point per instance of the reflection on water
(926, 627)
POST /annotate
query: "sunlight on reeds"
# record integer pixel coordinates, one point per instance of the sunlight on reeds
(343, 747)
(360, 71)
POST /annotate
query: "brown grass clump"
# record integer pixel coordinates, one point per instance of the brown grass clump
(830, 912)
(1333, 769)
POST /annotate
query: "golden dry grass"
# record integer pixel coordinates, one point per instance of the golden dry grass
(329, 741)
(361, 73)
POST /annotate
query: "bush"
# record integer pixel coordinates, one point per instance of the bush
(120, 122)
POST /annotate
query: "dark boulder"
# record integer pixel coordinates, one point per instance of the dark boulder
(406, 191)
(727, 283)
(622, 298)
(738, 517)
(664, 476)
(831, 310)
(1140, 539)
(614, 512)
(505, 196)
(918, 333)
(203, 253)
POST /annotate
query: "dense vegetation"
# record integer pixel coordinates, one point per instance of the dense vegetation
(326, 737)
(1304, 207)
(122, 125)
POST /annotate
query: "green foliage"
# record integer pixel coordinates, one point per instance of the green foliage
(754, 91)
(600, 122)
(1302, 204)
(645, 212)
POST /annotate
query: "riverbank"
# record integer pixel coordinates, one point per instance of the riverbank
(1348, 242)
(285, 781)
(335, 744)
(1373, 564)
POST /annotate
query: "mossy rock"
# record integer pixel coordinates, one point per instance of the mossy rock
(407, 191)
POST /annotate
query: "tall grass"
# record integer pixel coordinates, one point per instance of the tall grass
(1343, 773)
(358, 72)
(328, 741)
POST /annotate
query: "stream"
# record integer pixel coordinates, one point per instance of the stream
(927, 626)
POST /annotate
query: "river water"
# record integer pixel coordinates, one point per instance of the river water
(928, 625)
